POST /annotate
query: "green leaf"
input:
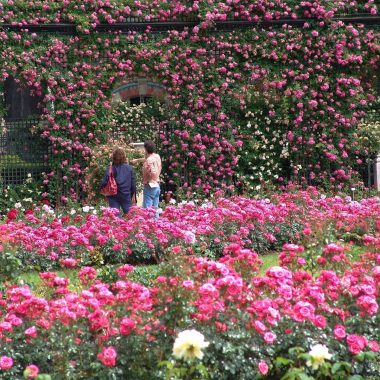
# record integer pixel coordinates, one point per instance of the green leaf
(303, 376)
(282, 361)
(355, 377)
(341, 365)
(203, 370)
(296, 350)
(43, 377)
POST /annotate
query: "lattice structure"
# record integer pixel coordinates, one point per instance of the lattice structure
(21, 152)
(138, 24)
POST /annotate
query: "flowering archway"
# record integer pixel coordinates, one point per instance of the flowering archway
(137, 110)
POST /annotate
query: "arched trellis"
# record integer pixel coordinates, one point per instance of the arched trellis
(141, 92)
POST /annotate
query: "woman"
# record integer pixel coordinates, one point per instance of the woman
(151, 176)
(125, 179)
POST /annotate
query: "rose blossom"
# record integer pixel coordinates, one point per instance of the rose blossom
(318, 354)
(127, 325)
(339, 332)
(6, 362)
(374, 346)
(31, 371)
(269, 337)
(356, 343)
(108, 356)
(263, 367)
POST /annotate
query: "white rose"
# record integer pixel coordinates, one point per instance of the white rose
(189, 345)
(318, 354)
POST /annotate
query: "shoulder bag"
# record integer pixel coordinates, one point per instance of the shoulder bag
(111, 186)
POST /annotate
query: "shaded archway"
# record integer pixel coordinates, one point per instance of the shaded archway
(138, 91)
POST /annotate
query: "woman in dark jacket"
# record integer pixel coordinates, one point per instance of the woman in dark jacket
(125, 179)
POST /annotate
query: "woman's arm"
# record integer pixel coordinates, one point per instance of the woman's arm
(137, 161)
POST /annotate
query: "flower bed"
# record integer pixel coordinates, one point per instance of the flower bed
(208, 311)
(283, 322)
(46, 238)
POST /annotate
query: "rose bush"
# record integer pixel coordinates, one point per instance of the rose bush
(248, 326)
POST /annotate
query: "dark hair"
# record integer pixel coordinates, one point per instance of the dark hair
(118, 156)
(150, 146)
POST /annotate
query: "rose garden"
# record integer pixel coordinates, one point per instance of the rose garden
(264, 262)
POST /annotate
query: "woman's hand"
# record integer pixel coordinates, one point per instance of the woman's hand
(136, 161)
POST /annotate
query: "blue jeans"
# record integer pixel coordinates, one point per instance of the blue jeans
(151, 196)
(118, 202)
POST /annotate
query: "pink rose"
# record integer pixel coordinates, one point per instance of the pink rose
(6, 362)
(269, 337)
(356, 343)
(260, 327)
(31, 371)
(108, 356)
(263, 367)
(31, 332)
(188, 284)
(320, 321)
(339, 332)
(374, 346)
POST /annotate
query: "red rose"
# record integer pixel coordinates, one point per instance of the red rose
(12, 214)
(127, 325)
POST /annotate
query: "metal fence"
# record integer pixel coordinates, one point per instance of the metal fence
(139, 24)
(22, 153)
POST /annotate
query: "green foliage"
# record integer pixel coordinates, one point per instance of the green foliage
(22, 197)
(10, 265)
(175, 370)
(368, 136)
